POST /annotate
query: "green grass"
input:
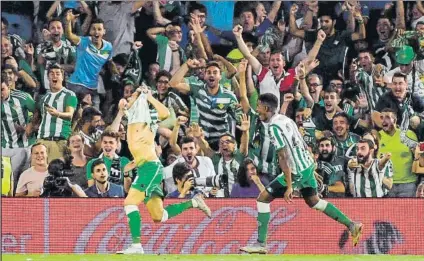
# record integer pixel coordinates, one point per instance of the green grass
(98, 257)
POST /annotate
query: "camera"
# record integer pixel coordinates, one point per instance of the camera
(56, 183)
(218, 181)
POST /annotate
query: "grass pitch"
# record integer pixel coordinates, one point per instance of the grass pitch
(111, 257)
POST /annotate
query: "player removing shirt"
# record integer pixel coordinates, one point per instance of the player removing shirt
(146, 186)
(298, 171)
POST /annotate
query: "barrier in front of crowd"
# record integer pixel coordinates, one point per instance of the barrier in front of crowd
(38, 225)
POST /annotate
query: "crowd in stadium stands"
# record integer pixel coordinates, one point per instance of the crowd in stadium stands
(350, 74)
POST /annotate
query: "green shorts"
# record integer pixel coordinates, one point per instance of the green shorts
(307, 183)
(149, 179)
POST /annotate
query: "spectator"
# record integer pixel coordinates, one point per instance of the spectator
(183, 179)
(54, 50)
(331, 169)
(7, 183)
(120, 32)
(55, 111)
(79, 160)
(366, 174)
(31, 180)
(215, 103)
(151, 73)
(115, 164)
(343, 138)
(170, 54)
(201, 167)
(90, 122)
(420, 191)
(17, 43)
(101, 187)
(26, 78)
(16, 107)
(391, 142)
(400, 100)
(228, 160)
(247, 176)
(89, 63)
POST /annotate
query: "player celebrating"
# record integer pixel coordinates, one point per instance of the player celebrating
(146, 186)
(298, 168)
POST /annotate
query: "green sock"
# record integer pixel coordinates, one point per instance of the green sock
(263, 220)
(178, 208)
(134, 222)
(337, 215)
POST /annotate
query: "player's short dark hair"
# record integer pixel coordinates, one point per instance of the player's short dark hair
(54, 19)
(96, 163)
(269, 100)
(179, 171)
(89, 113)
(331, 140)
(400, 75)
(367, 141)
(109, 133)
(163, 73)
(212, 64)
(343, 115)
(195, 6)
(97, 21)
(187, 139)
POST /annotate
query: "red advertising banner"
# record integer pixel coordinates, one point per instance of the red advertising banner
(394, 226)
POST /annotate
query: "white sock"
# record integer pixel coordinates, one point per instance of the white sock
(164, 216)
(136, 245)
(195, 205)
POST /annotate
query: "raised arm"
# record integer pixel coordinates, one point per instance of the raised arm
(312, 55)
(174, 135)
(70, 18)
(244, 141)
(52, 9)
(203, 144)
(158, 15)
(301, 75)
(400, 15)
(163, 112)
(256, 66)
(85, 27)
(177, 81)
(244, 100)
(198, 31)
(231, 70)
(362, 31)
(274, 11)
(153, 32)
(420, 7)
(294, 30)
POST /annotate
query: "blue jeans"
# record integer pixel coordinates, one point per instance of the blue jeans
(82, 90)
(405, 190)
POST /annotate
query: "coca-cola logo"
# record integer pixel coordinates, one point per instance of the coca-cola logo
(213, 235)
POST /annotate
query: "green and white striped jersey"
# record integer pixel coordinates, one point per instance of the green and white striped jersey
(214, 110)
(15, 110)
(344, 145)
(372, 91)
(285, 134)
(53, 126)
(261, 149)
(368, 183)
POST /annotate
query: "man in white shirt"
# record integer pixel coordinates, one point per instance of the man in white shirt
(201, 167)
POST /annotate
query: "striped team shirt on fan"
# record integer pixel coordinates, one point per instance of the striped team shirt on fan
(368, 183)
(214, 110)
(53, 126)
(261, 149)
(15, 110)
(285, 134)
(344, 145)
(164, 56)
(372, 92)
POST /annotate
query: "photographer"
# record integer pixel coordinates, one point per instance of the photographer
(57, 183)
(183, 178)
(102, 188)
